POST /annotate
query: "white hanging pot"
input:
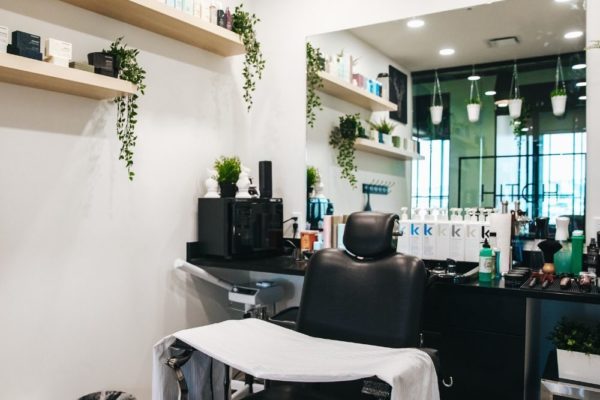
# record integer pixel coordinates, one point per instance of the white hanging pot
(514, 108)
(559, 104)
(473, 111)
(436, 114)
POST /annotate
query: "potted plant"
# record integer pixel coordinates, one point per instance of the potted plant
(578, 351)
(516, 102)
(474, 102)
(127, 106)
(437, 108)
(312, 178)
(384, 129)
(342, 138)
(558, 96)
(244, 24)
(228, 171)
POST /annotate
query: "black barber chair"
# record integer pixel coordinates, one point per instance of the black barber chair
(368, 294)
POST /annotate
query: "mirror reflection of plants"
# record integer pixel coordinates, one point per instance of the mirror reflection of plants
(312, 176)
(127, 107)
(342, 138)
(384, 126)
(244, 24)
(315, 63)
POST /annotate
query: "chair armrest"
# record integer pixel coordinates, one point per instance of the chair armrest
(286, 318)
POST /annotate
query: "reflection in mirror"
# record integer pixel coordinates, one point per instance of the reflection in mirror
(478, 155)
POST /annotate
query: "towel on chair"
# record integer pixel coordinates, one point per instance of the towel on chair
(268, 351)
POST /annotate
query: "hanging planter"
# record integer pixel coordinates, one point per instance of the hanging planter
(436, 110)
(515, 104)
(474, 103)
(558, 96)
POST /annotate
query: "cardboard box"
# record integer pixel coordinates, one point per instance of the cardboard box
(26, 41)
(59, 48)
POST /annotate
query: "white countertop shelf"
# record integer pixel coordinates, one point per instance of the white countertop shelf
(374, 147)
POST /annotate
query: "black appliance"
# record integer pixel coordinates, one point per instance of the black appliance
(265, 179)
(231, 227)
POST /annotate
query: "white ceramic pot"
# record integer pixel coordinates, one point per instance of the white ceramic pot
(579, 367)
(436, 114)
(387, 139)
(473, 111)
(514, 108)
(559, 104)
(374, 135)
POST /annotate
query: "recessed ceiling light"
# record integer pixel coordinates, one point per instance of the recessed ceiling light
(502, 103)
(582, 97)
(573, 34)
(415, 23)
(581, 84)
(474, 78)
(490, 93)
(525, 129)
(579, 66)
(447, 52)
(562, 1)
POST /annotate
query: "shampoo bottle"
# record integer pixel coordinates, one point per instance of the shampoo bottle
(404, 228)
(486, 264)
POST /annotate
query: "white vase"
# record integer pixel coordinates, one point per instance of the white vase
(473, 111)
(579, 367)
(436, 114)
(559, 104)
(387, 139)
(514, 108)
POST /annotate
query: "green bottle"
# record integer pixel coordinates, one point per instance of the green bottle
(486, 265)
(576, 252)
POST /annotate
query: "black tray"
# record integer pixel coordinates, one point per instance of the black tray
(555, 287)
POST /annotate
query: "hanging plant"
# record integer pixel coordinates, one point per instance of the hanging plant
(131, 71)
(342, 138)
(437, 109)
(315, 63)
(558, 96)
(515, 104)
(474, 102)
(254, 63)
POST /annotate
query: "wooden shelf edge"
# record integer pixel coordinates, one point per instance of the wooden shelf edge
(345, 91)
(41, 75)
(167, 21)
(371, 146)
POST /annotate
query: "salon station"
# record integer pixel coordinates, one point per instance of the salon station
(277, 200)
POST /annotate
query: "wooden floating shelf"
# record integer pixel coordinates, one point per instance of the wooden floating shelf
(41, 75)
(345, 91)
(167, 21)
(374, 147)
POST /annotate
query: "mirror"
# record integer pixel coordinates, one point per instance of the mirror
(488, 56)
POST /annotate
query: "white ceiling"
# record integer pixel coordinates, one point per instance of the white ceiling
(538, 24)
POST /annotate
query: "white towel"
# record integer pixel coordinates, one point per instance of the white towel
(268, 351)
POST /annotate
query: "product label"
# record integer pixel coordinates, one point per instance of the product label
(486, 265)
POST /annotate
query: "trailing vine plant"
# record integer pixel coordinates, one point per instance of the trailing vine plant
(342, 138)
(131, 71)
(315, 63)
(254, 63)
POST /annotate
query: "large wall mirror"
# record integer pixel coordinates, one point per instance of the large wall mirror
(488, 56)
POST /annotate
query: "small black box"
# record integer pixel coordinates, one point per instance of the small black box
(104, 64)
(26, 41)
(12, 49)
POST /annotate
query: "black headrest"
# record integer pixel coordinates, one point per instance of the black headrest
(369, 234)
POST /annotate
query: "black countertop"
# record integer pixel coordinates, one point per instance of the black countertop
(286, 265)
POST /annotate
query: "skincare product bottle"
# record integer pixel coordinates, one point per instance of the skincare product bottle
(198, 8)
(403, 228)
(457, 236)
(486, 266)
(429, 240)
(213, 12)
(591, 257)
(442, 237)
(416, 238)
(221, 16)
(577, 241)
(562, 259)
(228, 19)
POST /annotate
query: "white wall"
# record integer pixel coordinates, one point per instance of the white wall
(86, 280)
(370, 166)
(86, 283)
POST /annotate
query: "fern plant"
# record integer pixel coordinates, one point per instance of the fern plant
(244, 25)
(127, 107)
(315, 63)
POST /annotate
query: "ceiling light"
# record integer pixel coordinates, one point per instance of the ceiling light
(447, 52)
(474, 78)
(525, 129)
(581, 84)
(582, 97)
(562, 1)
(490, 93)
(415, 23)
(579, 66)
(573, 35)
(502, 103)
